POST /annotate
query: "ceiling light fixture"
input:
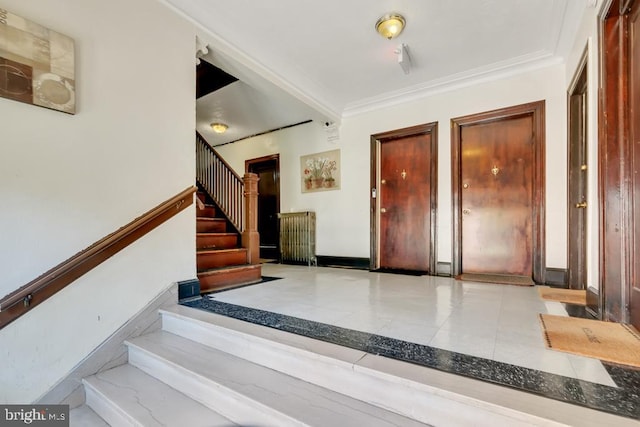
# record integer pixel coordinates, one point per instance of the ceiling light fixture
(219, 127)
(390, 25)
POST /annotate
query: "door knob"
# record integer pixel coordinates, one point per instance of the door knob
(466, 211)
(382, 210)
(581, 205)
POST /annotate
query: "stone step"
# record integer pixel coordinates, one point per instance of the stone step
(417, 392)
(126, 396)
(83, 416)
(247, 393)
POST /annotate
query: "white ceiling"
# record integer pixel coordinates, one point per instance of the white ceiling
(327, 55)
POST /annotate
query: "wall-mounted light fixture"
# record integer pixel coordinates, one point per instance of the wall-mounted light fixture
(219, 127)
(390, 25)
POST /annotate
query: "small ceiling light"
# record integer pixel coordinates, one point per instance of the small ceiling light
(219, 127)
(390, 25)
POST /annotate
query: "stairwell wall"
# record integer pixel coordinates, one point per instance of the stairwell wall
(68, 180)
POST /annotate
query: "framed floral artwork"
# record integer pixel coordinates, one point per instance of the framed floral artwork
(320, 171)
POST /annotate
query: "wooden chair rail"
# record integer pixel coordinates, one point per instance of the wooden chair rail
(38, 290)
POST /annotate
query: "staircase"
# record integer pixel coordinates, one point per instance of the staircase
(203, 369)
(227, 240)
(221, 262)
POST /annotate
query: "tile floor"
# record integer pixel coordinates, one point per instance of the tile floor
(496, 322)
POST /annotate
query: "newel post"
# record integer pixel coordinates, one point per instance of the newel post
(250, 235)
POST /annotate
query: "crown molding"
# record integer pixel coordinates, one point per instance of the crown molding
(495, 71)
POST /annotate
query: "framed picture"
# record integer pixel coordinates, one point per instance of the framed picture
(320, 171)
(37, 65)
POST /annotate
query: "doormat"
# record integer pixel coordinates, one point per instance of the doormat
(569, 296)
(504, 279)
(608, 341)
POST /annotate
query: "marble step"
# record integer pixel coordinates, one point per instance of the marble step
(83, 416)
(126, 396)
(247, 393)
(427, 395)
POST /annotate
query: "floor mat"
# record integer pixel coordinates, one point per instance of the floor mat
(609, 341)
(569, 296)
(504, 279)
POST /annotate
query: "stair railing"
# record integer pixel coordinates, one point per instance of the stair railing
(225, 187)
(236, 197)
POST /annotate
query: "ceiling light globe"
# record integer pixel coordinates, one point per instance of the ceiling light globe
(390, 25)
(219, 127)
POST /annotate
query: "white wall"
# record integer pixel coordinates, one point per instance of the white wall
(343, 216)
(68, 180)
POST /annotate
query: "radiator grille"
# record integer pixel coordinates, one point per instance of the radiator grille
(298, 237)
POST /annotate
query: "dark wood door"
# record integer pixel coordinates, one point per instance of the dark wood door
(268, 171)
(577, 182)
(497, 198)
(406, 161)
(634, 113)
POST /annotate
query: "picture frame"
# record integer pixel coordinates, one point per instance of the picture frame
(320, 171)
(37, 65)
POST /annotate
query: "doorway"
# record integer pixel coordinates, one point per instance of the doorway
(268, 170)
(498, 192)
(577, 179)
(404, 199)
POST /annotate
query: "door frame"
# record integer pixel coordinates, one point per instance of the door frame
(374, 229)
(616, 180)
(579, 87)
(537, 110)
(272, 157)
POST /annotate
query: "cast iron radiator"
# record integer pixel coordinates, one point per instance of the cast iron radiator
(298, 238)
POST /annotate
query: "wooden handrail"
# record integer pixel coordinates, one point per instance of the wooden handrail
(38, 290)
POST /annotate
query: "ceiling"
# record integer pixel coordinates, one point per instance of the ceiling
(323, 60)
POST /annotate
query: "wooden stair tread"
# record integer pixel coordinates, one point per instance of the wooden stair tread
(217, 270)
(229, 250)
(209, 219)
(209, 233)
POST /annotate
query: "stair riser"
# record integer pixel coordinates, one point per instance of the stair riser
(232, 405)
(412, 399)
(105, 408)
(222, 279)
(207, 211)
(220, 259)
(218, 242)
(211, 226)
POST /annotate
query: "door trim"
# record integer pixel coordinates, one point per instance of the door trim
(272, 157)
(536, 109)
(374, 229)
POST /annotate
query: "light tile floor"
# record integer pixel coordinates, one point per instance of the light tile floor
(498, 322)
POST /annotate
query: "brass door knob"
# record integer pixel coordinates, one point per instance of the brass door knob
(581, 205)
(382, 210)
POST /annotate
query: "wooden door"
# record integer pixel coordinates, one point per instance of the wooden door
(268, 171)
(497, 206)
(404, 209)
(498, 192)
(577, 181)
(634, 113)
